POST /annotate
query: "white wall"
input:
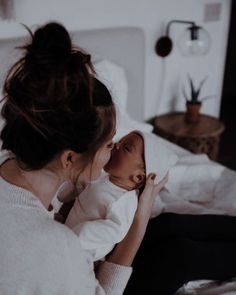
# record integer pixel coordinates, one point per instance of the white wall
(164, 78)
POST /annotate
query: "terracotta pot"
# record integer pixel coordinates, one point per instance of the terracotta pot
(192, 112)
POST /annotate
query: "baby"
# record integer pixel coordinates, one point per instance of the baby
(103, 212)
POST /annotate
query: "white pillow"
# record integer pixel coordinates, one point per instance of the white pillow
(114, 77)
(125, 125)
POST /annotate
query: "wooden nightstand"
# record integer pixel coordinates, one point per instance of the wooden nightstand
(200, 137)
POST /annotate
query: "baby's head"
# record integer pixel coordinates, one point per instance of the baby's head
(136, 155)
(127, 161)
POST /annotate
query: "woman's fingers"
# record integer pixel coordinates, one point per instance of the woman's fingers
(148, 195)
(151, 177)
(158, 187)
(149, 184)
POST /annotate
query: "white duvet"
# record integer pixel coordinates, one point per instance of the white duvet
(198, 185)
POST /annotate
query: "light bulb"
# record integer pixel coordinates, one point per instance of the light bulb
(194, 44)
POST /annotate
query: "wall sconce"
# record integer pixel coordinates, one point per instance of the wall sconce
(194, 41)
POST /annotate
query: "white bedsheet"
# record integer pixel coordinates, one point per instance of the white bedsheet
(207, 287)
(198, 186)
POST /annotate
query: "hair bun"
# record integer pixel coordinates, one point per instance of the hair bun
(51, 41)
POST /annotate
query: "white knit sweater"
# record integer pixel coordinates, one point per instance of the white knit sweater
(41, 256)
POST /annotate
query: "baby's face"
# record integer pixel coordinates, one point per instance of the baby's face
(126, 156)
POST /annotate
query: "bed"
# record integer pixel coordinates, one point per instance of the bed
(119, 58)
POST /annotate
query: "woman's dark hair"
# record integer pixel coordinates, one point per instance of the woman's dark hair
(103, 102)
(52, 101)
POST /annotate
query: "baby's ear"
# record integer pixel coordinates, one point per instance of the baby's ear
(138, 177)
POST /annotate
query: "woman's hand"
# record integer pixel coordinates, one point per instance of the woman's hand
(149, 194)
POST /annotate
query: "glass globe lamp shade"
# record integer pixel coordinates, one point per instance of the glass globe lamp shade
(194, 41)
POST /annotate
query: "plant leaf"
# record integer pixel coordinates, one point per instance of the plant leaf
(193, 93)
(184, 93)
(200, 86)
(202, 82)
(197, 93)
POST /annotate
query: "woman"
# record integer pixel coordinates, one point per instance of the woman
(56, 135)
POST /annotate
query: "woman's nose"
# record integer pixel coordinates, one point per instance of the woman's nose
(117, 145)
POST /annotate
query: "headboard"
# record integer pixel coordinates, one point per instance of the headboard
(124, 46)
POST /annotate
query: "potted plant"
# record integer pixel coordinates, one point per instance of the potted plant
(193, 100)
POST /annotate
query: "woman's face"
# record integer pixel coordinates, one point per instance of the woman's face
(93, 170)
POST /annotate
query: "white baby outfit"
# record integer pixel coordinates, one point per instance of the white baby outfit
(102, 215)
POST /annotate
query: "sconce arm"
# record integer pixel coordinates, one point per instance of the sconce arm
(179, 22)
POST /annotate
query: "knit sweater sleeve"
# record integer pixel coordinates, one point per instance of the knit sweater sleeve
(110, 279)
(113, 278)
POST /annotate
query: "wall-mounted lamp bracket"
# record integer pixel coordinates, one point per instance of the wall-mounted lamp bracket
(164, 45)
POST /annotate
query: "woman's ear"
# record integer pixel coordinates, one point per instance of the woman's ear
(67, 158)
